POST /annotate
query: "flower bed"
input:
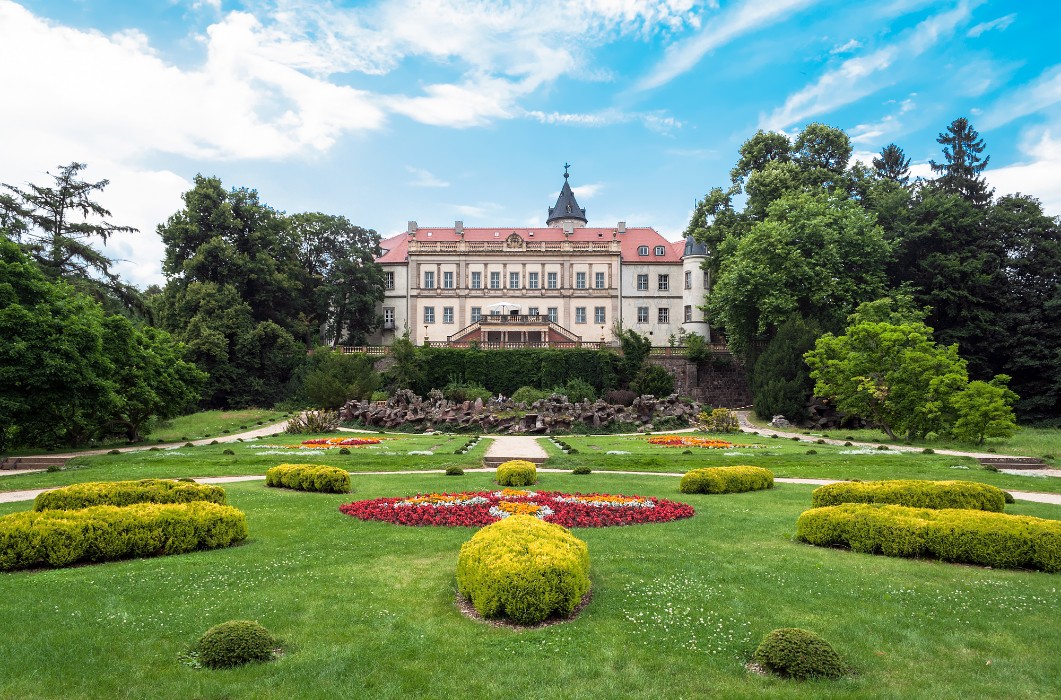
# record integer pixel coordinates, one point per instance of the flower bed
(329, 443)
(691, 441)
(474, 509)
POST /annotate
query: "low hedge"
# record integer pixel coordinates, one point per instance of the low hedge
(523, 569)
(979, 537)
(912, 493)
(309, 477)
(103, 533)
(726, 480)
(126, 493)
(517, 472)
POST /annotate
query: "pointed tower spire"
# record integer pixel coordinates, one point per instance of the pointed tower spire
(566, 209)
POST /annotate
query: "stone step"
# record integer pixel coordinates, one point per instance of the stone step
(1013, 462)
(32, 462)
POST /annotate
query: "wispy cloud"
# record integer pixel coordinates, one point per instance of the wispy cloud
(1000, 24)
(744, 18)
(424, 178)
(873, 132)
(1039, 94)
(657, 121)
(860, 76)
(482, 210)
(847, 47)
(588, 191)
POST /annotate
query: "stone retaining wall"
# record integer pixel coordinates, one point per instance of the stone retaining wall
(721, 381)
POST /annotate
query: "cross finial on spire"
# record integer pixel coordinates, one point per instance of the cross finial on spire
(566, 166)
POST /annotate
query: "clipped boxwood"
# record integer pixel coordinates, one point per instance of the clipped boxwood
(309, 477)
(517, 472)
(523, 569)
(913, 493)
(726, 480)
(102, 533)
(979, 537)
(125, 493)
(796, 653)
(235, 643)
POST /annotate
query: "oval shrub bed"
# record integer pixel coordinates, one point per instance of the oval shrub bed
(523, 569)
(309, 477)
(477, 508)
(913, 493)
(124, 493)
(726, 480)
(517, 472)
(965, 536)
(103, 533)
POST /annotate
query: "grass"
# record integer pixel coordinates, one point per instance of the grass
(366, 610)
(1027, 442)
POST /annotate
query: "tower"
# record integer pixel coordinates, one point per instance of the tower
(566, 214)
(696, 285)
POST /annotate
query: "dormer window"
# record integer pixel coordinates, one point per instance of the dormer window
(660, 250)
(642, 250)
(429, 234)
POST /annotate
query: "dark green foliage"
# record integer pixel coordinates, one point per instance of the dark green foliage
(333, 378)
(344, 450)
(726, 480)
(309, 477)
(960, 173)
(1009, 497)
(124, 493)
(454, 470)
(227, 451)
(581, 470)
(780, 379)
(114, 452)
(620, 397)
(796, 653)
(977, 537)
(313, 422)
(913, 493)
(636, 348)
(576, 391)
(528, 395)
(460, 393)
(235, 643)
(654, 380)
(104, 533)
(892, 164)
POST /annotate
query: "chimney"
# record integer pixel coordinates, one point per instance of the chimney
(412, 228)
(622, 227)
(458, 227)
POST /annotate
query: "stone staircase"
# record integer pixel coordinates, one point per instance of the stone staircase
(32, 462)
(493, 462)
(1013, 462)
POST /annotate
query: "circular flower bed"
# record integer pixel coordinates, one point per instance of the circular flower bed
(473, 509)
(690, 441)
(329, 443)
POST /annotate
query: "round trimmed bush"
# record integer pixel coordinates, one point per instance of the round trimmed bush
(799, 654)
(308, 477)
(454, 471)
(235, 643)
(726, 480)
(227, 452)
(581, 470)
(913, 493)
(517, 472)
(523, 569)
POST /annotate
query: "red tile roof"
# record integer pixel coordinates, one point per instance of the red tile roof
(397, 247)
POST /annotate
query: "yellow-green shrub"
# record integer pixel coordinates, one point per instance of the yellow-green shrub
(309, 477)
(967, 536)
(103, 533)
(913, 493)
(523, 569)
(726, 480)
(517, 472)
(125, 493)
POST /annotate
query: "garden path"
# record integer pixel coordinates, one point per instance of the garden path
(507, 447)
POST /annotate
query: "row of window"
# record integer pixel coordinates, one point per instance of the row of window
(551, 280)
(643, 250)
(599, 314)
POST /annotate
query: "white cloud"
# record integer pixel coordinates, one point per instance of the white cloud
(847, 47)
(747, 17)
(482, 210)
(860, 76)
(657, 121)
(588, 191)
(1040, 176)
(1042, 92)
(872, 132)
(424, 178)
(1000, 24)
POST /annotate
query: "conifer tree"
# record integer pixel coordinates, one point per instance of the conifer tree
(892, 164)
(960, 174)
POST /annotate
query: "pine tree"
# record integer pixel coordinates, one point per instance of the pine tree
(960, 174)
(892, 164)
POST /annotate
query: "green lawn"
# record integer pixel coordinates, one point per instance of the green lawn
(366, 610)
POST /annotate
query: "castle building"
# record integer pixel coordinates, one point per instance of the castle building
(566, 282)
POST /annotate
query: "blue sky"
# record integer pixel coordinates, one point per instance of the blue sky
(455, 109)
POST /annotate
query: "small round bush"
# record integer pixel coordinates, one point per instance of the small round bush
(581, 470)
(795, 653)
(820, 441)
(812, 452)
(1008, 497)
(226, 430)
(1048, 457)
(188, 444)
(235, 643)
(344, 450)
(454, 471)
(928, 451)
(523, 569)
(687, 452)
(847, 444)
(212, 442)
(726, 480)
(517, 472)
(243, 427)
(153, 449)
(227, 452)
(114, 452)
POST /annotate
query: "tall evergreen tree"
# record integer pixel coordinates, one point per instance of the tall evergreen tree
(960, 173)
(892, 164)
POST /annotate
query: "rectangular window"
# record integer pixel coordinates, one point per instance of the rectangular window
(477, 313)
(388, 318)
(429, 280)
(688, 279)
(495, 280)
(513, 280)
(447, 280)
(553, 314)
(598, 280)
(477, 280)
(532, 280)
(707, 280)
(580, 314)
(664, 282)
(447, 314)
(532, 310)
(688, 314)
(550, 279)
(390, 280)
(580, 280)
(429, 314)
(598, 314)
(664, 314)
(642, 314)
(642, 283)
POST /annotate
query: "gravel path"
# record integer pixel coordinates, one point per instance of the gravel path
(515, 447)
